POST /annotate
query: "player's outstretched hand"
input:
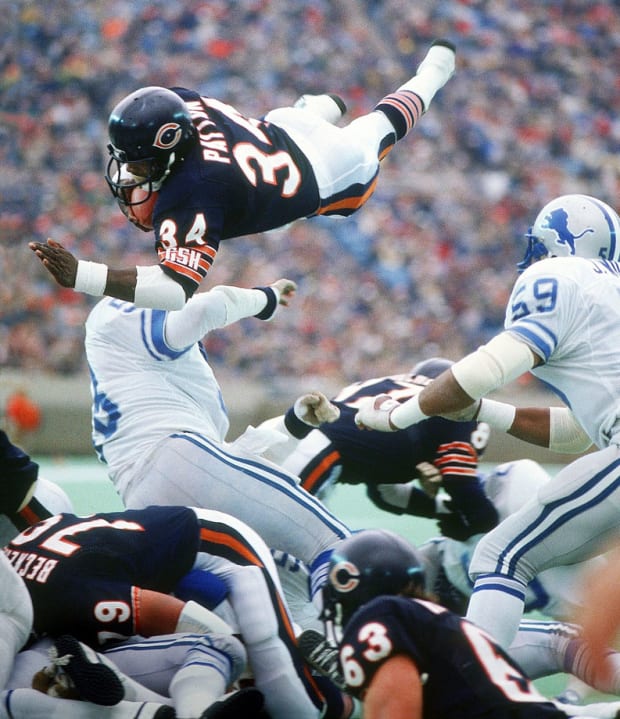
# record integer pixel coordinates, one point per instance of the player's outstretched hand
(286, 290)
(314, 409)
(60, 263)
(374, 413)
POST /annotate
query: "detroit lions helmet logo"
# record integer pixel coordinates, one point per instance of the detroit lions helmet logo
(557, 221)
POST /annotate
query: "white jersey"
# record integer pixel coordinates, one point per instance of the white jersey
(568, 311)
(15, 617)
(137, 400)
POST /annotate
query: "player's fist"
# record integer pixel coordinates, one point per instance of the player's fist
(285, 290)
(314, 409)
(429, 478)
(374, 413)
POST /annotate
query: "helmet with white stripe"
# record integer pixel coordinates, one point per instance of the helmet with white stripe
(573, 225)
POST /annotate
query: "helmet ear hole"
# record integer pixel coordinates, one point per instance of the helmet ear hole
(431, 368)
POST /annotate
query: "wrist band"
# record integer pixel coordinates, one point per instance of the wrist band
(498, 415)
(407, 414)
(91, 278)
(272, 303)
(297, 427)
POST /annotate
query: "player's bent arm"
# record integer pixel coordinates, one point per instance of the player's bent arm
(556, 428)
(395, 691)
(146, 286)
(160, 613)
(501, 360)
(221, 306)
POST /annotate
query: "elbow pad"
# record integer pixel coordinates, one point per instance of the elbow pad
(501, 360)
(155, 290)
(565, 433)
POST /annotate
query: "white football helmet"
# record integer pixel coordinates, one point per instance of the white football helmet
(573, 225)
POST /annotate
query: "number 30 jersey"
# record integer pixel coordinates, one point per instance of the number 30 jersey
(463, 672)
(81, 572)
(567, 309)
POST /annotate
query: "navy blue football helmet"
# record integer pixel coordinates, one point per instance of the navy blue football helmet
(370, 563)
(431, 368)
(573, 225)
(149, 131)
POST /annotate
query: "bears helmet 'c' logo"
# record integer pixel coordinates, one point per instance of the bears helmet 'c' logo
(168, 136)
(344, 576)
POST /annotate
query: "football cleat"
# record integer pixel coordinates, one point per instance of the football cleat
(92, 679)
(321, 656)
(242, 704)
(330, 107)
(433, 72)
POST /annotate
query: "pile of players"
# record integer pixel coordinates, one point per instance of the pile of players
(227, 588)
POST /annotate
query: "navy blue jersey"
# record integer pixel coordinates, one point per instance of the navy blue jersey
(244, 176)
(379, 457)
(372, 458)
(82, 572)
(382, 457)
(463, 671)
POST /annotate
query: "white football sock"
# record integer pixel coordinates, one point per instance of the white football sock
(432, 74)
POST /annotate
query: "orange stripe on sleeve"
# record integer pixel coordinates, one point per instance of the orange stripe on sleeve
(318, 473)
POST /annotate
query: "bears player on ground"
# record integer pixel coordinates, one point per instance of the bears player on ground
(397, 646)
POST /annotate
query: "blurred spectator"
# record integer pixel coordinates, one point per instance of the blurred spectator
(22, 415)
(425, 267)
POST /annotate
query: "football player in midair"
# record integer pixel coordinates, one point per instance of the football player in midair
(207, 173)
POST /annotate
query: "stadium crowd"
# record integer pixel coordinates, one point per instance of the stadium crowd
(424, 269)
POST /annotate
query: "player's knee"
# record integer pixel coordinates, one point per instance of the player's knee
(217, 647)
(484, 557)
(485, 561)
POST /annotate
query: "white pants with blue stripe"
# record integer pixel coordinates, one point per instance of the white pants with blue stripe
(570, 519)
(192, 470)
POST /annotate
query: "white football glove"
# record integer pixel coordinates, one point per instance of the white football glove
(374, 413)
(285, 289)
(314, 409)
(396, 494)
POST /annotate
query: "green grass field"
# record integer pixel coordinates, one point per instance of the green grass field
(86, 482)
